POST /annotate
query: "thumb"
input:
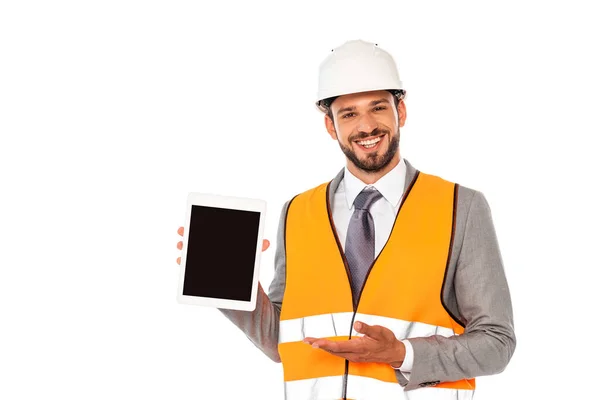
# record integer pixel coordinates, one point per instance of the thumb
(368, 330)
(265, 245)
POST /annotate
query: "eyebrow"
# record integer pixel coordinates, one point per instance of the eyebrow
(371, 104)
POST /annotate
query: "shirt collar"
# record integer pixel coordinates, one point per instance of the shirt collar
(391, 185)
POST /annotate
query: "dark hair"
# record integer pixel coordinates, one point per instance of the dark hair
(396, 94)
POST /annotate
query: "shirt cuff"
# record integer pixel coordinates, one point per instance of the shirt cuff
(407, 364)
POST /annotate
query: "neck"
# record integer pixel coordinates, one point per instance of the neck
(370, 177)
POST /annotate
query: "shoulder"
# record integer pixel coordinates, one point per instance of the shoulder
(473, 217)
(471, 205)
(466, 196)
(319, 192)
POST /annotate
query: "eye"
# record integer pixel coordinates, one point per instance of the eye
(348, 115)
(378, 108)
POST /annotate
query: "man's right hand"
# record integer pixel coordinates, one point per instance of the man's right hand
(265, 246)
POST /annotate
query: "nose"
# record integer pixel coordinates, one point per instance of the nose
(367, 123)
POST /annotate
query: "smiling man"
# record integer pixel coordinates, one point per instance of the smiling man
(389, 281)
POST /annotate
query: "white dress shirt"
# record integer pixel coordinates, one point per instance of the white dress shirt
(384, 211)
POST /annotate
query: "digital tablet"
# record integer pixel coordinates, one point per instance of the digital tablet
(222, 244)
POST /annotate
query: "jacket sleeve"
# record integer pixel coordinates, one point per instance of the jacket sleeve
(484, 305)
(261, 326)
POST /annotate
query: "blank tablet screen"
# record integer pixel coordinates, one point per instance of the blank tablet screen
(221, 253)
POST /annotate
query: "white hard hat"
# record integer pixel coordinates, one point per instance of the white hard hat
(357, 66)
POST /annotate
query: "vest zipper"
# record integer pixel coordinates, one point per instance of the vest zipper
(341, 250)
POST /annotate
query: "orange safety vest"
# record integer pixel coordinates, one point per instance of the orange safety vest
(402, 292)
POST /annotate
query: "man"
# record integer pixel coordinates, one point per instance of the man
(388, 281)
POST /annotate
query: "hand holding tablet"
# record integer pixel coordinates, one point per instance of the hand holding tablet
(222, 243)
(265, 245)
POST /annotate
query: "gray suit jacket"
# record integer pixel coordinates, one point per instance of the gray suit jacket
(475, 292)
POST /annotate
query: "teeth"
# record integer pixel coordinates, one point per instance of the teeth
(369, 143)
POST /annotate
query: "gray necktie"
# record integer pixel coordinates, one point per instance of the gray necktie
(360, 241)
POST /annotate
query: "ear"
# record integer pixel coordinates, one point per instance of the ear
(401, 113)
(330, 127)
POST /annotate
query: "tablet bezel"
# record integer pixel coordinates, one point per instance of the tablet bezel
(227, 202)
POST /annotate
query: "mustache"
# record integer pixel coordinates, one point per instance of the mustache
(364, 135)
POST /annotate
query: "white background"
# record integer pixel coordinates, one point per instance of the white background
(112, 111)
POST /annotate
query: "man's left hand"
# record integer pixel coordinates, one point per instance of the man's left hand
(378, 344)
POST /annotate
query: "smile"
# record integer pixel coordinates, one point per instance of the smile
(369, 143)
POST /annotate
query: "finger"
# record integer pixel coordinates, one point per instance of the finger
(312, 340)
(347, 356)
(180, 231)
(179, 260)
(180, 245)
(266, 244)
(326, 345)
(320, 343)
(374, 331)
(309, 340)
(345, 346)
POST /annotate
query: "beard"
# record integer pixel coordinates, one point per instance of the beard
(374, 161)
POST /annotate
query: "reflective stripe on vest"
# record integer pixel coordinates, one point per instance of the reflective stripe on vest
(363, 388)
(402, 292)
